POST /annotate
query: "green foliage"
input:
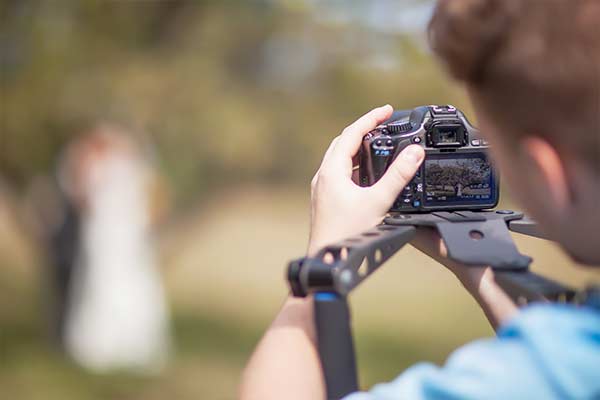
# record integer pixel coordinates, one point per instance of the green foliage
(224, 91)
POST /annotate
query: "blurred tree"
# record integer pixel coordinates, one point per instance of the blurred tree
(228, 92)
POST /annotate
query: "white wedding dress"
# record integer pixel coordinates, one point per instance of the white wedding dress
(118, 317)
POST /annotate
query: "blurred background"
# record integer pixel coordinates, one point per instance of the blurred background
(155, 160)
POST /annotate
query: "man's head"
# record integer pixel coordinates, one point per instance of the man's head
(532, 69)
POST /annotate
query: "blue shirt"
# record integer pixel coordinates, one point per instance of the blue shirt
(546, 352)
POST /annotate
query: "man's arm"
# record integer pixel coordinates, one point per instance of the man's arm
(479, 281)
(285, 364)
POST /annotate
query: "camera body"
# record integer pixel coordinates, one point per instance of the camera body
(456, 173)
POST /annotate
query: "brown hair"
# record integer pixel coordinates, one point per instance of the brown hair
(533, 66)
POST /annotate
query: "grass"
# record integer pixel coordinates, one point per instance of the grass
(206, 362)
(223, 269)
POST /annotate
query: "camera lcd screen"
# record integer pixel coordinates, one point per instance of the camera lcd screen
(458, 179)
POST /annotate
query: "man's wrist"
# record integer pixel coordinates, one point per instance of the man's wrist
(298, 312)
(317, 241)
(474, 279)
(312, 249)
(496, 304)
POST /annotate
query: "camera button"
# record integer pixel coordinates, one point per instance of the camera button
(475, 142)
(416, 203)
(416, 139)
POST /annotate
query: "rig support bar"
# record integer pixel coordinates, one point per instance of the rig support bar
(477, 239)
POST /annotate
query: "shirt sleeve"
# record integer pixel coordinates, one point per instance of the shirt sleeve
(500, 368)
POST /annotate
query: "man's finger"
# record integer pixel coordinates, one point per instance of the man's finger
(325, 158)
(352, 136)
(399, 173)
(330, 150)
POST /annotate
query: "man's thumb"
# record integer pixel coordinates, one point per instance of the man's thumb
(400, 172)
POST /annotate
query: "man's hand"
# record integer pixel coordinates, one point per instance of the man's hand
(341, 208)
(479, 281)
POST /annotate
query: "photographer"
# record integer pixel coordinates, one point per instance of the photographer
(532, 70)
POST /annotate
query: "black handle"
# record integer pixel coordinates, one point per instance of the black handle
(335, 344)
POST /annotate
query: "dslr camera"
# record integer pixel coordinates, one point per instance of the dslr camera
(456, 173)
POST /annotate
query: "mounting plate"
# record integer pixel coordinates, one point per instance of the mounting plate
(474, 238)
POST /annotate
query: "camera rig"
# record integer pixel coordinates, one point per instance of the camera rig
(474, 238)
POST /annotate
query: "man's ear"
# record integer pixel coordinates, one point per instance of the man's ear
(549, 167)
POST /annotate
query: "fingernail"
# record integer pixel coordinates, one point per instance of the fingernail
(413, 154)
